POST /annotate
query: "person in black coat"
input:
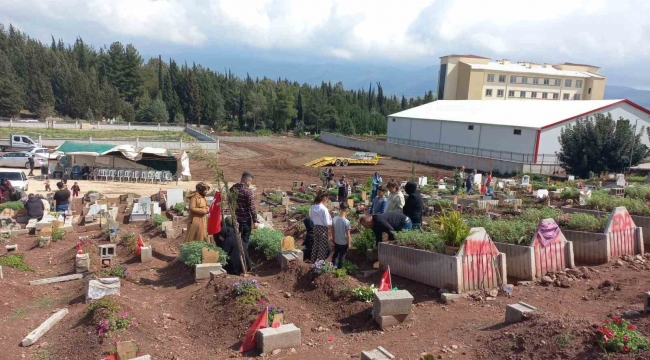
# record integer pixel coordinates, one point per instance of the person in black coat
(309, 238)
(34, 207)
(227, 240)
(413, 205)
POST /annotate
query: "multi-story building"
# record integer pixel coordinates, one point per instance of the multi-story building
(471, 77)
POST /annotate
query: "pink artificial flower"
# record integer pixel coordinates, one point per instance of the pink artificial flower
(626, 338)
(631, 327)
(617, 320)
(626, 349)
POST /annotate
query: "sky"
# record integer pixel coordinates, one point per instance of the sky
(612, 34)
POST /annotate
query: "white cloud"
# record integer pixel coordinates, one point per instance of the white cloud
(609, 33)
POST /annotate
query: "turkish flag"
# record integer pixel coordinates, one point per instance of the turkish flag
(214, 215)
(139, 245)
(250, 339)
(385, 284)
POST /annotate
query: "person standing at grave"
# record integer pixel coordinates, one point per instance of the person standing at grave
(330, 177)
(322, 227)
(343, 189)
(413, 205)
(386, 223)
(395, 197)
(31, 165)
(197, 227)
(469, 183)
(246, 212)
(34, 207)
(379, 202)
(341, 235)
(459, 176)
(75, 189)
(309, 238)
(376, 182)
(62, 197)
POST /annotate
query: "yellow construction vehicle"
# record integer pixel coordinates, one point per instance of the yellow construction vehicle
(358, 158)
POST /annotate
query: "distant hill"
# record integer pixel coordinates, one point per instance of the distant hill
(641, 97)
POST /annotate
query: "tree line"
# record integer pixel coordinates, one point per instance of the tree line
(77, 81)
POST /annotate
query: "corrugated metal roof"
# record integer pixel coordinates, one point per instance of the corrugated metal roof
(516, 68)
(522, 113)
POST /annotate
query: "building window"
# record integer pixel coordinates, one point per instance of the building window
(567, 83)
(589, 92)
(522, 94)
(556, 96)
(490, 78)
(470, 127)
(578, 83)
(576, 96)
(557, 82)
(513, 79)
(524, 80)
(544, 95)
(517, 132)
(488, 92)
(393, 119)
(535, 81)
(565, 96)
(533, 94)
(547, 81)
(502, 78)
(499, 93)
(511, 93)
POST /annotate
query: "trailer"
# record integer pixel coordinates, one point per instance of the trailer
(358, 158)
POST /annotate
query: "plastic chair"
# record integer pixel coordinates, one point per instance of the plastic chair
(150, 176)
(136, 175)
(128, 174)
(143, 176)
(102, 173)
(157, 176)
(111, 174)
(167, 176)
(120, 174)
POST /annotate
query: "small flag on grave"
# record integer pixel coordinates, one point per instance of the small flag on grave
(79, 249)
(139, 245)
(385, 284)
(250, 339)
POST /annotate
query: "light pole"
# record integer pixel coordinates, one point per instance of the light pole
(633, 140)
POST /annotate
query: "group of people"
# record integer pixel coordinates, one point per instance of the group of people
(35, 205)
(466, 183)
(77, 172)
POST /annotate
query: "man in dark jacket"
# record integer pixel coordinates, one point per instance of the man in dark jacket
(386, 223)
(34, 207)
(31, 165)
(413, 204)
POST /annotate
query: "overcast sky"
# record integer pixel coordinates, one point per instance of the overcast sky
(613, 34)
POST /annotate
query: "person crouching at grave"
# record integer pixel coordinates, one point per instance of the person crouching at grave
(6, 189)
(386, 223)
(309, 238)
(227, 240)
(62, 197)
(197, 229)
(75, 189)
(34, 207)
(322, 226)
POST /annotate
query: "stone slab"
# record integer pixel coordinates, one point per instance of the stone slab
(99, 288)
(56, 279)
(449, 297)
(146, 254)
(518, 312)
(170, 234)
(377, 354)
(392, 303)
(285, 257)
(284, 337)
(217, 273)
(19, 232)
(46, 326)
(202, 271)
(143, 357)
(2, 275)
(11, 248)
(388, 321)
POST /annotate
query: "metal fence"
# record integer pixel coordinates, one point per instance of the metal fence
(492, 154)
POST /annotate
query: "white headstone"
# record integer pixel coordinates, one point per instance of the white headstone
(478, 179)
(174, 196)
(95, 209)
(525, 180)
(442, 187)
(584, 195)
(500, 184)
(99, 288)
(542, 193)
(572, 177)
(620, 180)
(422, 181)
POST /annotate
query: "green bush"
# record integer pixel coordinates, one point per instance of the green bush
(570, 193)
(58, 234)
(638, 192)
(16, 261)
(157, 220)
(119, 271)
(340, 273)
(269, 241)
(350, 267)
(13, 205)
(192, 253)
(364, 240)
(364, 293)
(180, 207)
(130, 241)
(275, 198)
(583, 222)
(308, 197)
(600, 200)
(453, 229)
(636, 179)
(507, 231)
(302, 210)
(537, 214)
(107, 303)
(424, 240)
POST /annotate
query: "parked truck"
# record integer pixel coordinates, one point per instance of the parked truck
(18, 142)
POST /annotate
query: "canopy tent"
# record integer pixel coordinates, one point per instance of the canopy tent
(124, 156)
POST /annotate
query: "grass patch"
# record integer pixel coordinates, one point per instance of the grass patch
(57, 234)
(269, 241)
(16, 261)
(43, 354)
(192, 253)
(130, 241)
(96, 134)
(302, 210)
(157, 221)
(103, 303)
(363, 241)
(39, 303)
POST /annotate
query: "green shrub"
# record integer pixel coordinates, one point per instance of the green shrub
(269, 241)
(636, 179)
(157, 220)
(130, 241)
(507, 231)
(180, 207)
(13, 205)
(309, 197)
(364, 293)
(248, 291)
(302, 210)
(638, 192)
(600, 200)
(57, 234)
(340, 273)
(537, 214)
(583, 222)
(364, 241)
(263, 132)
(16, 261)
(275, 198)
(453, 229)
(107, 303)
(350, 267)
(192, 253)
(119, 271)
(424, 240)
(570, 193)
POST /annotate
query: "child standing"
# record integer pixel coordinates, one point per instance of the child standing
(75, 190)
(341, 235)
(47, 184)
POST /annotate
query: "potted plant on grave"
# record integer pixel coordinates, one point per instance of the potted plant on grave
(453, 230)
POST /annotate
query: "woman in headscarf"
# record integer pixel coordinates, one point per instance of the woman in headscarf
(322, 226)
(6, 189)
(227, 240)
(309, 238)
(197, 229)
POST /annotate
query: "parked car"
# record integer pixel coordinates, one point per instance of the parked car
(18, 142)
(21, 159)
(44, 152)
(17, 179)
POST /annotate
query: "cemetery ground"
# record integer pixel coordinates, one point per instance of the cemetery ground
(176, 317)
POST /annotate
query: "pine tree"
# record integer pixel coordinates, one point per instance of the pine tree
(11, 90)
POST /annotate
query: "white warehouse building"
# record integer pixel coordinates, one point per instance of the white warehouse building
(524, 131)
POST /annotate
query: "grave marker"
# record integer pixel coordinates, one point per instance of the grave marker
(99, 288)
(620, 180)
(126, 350)
(209, 256)
(288, 243)
(525, 180)
(351, 203)
(278, 319)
